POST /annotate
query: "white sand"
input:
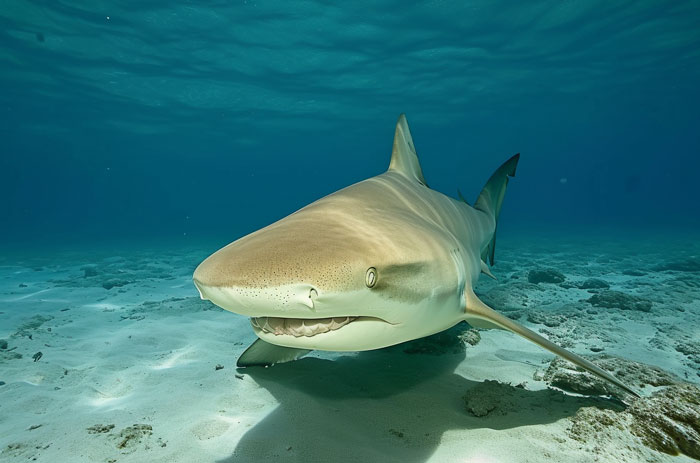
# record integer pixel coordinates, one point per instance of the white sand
(113, 360)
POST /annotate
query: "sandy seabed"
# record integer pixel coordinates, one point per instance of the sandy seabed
(110, 356)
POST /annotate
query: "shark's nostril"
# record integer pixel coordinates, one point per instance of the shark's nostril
(309, 302)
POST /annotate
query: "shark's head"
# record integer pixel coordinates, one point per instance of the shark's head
(348, 272)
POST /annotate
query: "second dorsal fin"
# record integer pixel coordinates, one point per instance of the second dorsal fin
(403, 155)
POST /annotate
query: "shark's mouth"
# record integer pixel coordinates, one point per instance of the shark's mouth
(303, 327)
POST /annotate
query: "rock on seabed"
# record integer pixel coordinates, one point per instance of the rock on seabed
(545, 276)
(616, 300)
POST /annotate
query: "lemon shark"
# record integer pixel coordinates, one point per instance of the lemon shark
(383, 261)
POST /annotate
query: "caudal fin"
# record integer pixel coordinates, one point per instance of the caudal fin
(491, 198)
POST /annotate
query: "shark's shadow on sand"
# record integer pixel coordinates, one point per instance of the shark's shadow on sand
(384, 405)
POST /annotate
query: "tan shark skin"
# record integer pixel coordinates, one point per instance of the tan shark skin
(412, 235)
(313, 265)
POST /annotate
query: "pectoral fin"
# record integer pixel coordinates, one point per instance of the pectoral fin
(481, 315)
(487, 271)
(264, 354)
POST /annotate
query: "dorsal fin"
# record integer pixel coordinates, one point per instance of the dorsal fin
(403, 155)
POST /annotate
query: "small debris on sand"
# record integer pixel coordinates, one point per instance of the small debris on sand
(470, 337)
(37, 356)
(218, 367)
(100, 428)
(132, 435)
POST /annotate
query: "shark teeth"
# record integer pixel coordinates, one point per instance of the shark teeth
(299, 327)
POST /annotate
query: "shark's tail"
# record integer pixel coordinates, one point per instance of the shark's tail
(491, 198)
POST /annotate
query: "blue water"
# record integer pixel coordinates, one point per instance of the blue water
(178, 120)
(136, 138)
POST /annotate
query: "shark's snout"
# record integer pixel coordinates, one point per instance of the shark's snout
(240, 287)
(288, 269)
(298, 299)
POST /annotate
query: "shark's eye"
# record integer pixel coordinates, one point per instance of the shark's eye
(371, 277)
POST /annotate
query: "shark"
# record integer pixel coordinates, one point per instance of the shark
(381, 262)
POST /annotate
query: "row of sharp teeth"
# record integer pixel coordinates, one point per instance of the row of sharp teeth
(299, 327)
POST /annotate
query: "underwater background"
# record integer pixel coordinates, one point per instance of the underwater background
(139, 137)
(152, 120)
